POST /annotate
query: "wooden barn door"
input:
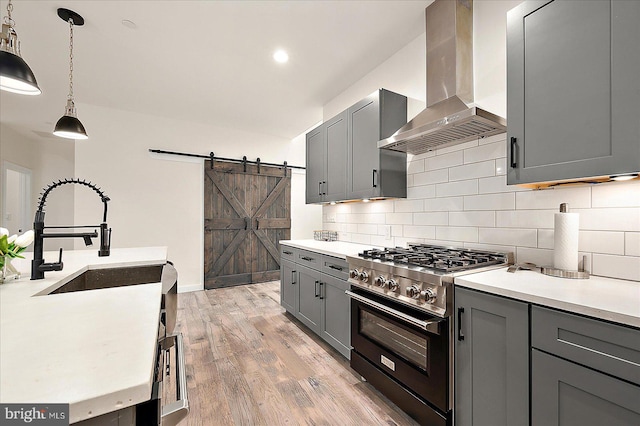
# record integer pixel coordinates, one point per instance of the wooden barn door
(247, 211)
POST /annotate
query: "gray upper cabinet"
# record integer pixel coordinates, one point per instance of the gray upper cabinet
(343, 159)
(573, 92)
(376, 172)
(315, 164)
(326, 175)
(491, 360)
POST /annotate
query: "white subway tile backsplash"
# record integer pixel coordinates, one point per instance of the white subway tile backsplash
(472, 218)
(539, 257)
(501, 166)
(380, 206)
(601, 242)
(624, 267)
(419, 231)
(445, 243)
(377, 240)
(632, 243)
(361, 238)
(426, 191)
(616, 194)
(364, 228)
(457, 233)
(509, 236)
(525, 219)
(579, 197)
(494, 184)
(378, 218)
(399, 219)
(463, 187)
(408, 206)
(428, 154)
(472, 171)
(409, 181)
(505, 201)
(489, 151)
(351, 228)
(404, 241)
(457, 147)
(619, 219)
(446, 204)
(415, 166)
(431, 177)
(431, 218)
(443, 161)
(492, 247)
(545, 238)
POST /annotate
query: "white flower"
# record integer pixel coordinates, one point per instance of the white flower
(4, 231)
(12, 238)
(25, 239)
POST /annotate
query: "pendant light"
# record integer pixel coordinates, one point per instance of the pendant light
(15, 74)
(69, 126)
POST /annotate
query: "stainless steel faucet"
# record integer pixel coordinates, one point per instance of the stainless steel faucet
(38, 266)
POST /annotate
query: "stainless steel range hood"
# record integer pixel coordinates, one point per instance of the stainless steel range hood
(450, 117)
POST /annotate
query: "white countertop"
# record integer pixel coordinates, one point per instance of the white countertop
(92, 349)
(340, 249)
(605, 298)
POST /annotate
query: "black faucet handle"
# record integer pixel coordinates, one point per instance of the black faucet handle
(60, 258)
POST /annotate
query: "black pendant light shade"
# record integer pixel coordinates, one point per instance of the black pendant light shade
(15, 74)
(69, 126)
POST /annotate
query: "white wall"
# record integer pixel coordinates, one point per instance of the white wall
(49, 159)
(157, 200)
(458, 195)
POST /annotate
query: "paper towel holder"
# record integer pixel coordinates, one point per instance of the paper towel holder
(561, 273)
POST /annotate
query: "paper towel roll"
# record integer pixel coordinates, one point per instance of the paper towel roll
(565, 238)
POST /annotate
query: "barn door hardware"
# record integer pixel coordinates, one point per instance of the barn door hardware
(244, 160)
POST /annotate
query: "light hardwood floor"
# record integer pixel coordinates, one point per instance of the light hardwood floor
(251, 363)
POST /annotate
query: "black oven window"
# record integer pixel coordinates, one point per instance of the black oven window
(408, 345)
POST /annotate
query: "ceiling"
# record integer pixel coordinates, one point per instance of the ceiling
(205, 61)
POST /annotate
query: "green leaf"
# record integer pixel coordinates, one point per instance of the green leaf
(4, 245)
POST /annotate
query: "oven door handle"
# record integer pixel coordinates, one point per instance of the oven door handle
(431, 326)
(174, 413)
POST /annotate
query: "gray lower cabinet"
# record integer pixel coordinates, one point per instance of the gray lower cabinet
(312, 288)
(584, 371)
(491, 360)
(573, 93)
(288, 285)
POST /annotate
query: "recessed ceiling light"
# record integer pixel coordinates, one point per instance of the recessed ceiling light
(129, 24)
(280, 56)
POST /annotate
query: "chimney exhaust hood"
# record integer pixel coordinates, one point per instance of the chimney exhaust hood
(450, 117)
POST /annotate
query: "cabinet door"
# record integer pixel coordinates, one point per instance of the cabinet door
(336, 175)
(288, 285)
(309, 302)
(491, 360)
(364, 158)
(315, 164)
(571, 71)
(567, 394)
(336, 319)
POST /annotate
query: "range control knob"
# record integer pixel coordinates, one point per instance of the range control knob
(380, 281)
(363, 276)
(413, 292)
(392, 284)
(353, 273)
(429, 295)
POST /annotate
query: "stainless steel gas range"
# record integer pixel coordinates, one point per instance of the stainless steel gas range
(401, 326)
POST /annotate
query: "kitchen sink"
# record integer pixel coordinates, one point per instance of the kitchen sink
(94, 279)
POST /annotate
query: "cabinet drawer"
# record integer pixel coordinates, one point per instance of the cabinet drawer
(309, 259)
(610, 348)
(335, 267)
(288, 253)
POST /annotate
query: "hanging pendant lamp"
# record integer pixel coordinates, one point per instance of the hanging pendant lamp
(15, 74)
(69, 126)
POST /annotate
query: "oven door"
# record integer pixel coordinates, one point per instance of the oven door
(406, 344)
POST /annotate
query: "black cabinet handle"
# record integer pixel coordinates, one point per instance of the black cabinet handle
(308, 259)
(514, 157)
(320, 188)
(321, 284)
(293, 277)
(324, 186)
(460, 335)
(315, 290)
(375, 178)
(337, 268)
(288, 252)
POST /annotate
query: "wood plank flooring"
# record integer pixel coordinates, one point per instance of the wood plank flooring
(251, 363)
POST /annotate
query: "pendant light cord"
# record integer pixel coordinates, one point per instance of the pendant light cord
(70, 97)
